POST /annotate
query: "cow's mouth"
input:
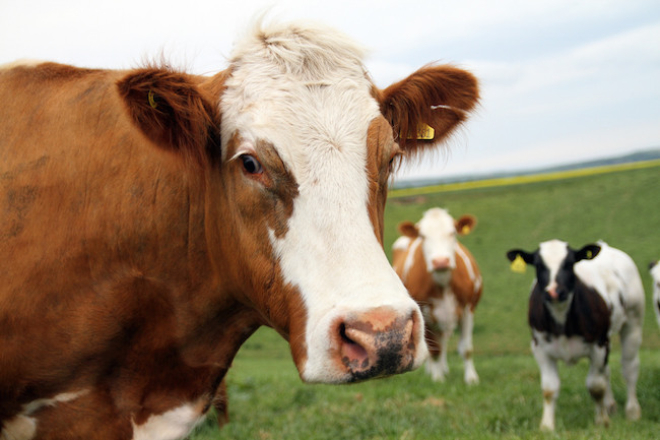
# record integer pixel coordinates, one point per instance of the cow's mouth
(441, 276)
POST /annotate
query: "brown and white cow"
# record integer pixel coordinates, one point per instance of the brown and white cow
(443, 277)
(579, 300)
(152, 220)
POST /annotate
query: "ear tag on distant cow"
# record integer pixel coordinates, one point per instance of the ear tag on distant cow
(465, 230)
(518, 265)
(590, 254)
(424, 132)
(152, 101)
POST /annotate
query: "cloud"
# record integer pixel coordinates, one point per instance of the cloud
(553, 72)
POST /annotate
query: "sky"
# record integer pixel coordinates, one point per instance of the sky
(561, 80)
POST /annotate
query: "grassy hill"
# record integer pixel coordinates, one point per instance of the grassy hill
(651, 154)
(268, 401)
(622, 208)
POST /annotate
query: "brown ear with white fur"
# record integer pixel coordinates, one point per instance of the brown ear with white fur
(440, 97)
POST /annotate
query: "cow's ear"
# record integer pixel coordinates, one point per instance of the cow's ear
(171, 111)
(527, 257)
(408, 229)
(588, 252)
(435, 97)
(465, 224)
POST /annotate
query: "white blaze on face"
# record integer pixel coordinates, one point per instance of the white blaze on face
(317, 119)
(438, 230)
(553, 253)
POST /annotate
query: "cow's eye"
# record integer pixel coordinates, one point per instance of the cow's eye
(391, 165)
(251, 165)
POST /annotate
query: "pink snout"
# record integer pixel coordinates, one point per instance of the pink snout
(377, 343)
(440, 263)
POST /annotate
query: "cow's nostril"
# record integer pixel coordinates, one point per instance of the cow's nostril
(353, 354)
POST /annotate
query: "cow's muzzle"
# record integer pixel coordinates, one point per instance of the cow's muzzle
(377, 343)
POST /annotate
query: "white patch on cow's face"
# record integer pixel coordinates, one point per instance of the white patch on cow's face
(317, 118)
(438, 232)
(553, 253)
(171, 425)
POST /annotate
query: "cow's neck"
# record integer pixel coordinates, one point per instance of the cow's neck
(217, 337)
(559, 310)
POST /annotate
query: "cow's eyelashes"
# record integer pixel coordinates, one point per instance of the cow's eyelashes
(251, 164)
(396, 157)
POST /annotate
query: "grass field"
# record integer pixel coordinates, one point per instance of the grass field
(267, 400)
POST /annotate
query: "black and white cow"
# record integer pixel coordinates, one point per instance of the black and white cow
(580, 298)
(654, 268)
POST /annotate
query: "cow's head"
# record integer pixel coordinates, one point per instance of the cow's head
(553, 262)
(296, 196)
(438, 232)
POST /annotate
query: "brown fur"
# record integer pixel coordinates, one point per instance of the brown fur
(411, 102)
(381, 147)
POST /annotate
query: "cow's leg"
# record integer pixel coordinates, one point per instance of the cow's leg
(444, 344)
(598, 383)
(433, 367)
(445, 317)
(609, 402)
(631, 340)
(549, 385)
(465, 346)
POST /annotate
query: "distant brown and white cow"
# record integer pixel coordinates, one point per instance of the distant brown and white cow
(152, 220)
(580, 298)
(443, 277)
(654, 269)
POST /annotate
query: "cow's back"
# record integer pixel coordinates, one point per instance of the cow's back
(615, 277)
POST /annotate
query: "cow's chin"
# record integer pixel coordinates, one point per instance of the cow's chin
(441, 277)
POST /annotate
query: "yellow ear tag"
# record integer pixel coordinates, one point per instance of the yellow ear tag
(465, 230)
(424, 132)
(152, 101)
(590, 255)
(518, 265)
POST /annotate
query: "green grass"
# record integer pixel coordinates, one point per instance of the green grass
(267, 400)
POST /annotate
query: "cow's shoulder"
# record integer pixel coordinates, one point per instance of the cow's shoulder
(589, 315)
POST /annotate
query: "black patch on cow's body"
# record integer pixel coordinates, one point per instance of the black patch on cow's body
(588, 315)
